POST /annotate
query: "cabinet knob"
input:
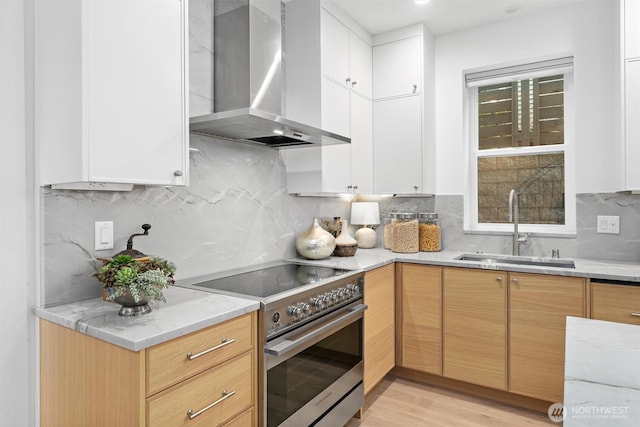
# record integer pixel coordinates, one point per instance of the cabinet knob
(499, 278)
(355, 187)
(415, 88)
(348, 80)
(177, 173)
(415, 188)
(514, 281)
(353, 83)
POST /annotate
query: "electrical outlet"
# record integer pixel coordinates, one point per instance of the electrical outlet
(104, 235)
(608, 224)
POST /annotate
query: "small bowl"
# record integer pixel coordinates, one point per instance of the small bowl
(345, 250)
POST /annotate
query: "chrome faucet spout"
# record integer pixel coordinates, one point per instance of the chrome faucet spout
(513, 217)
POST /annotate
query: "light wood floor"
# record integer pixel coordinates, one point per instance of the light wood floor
(403, 403)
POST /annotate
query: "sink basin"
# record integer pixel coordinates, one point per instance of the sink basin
(518, 260)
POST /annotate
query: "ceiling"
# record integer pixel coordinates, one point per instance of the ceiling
(442, 16)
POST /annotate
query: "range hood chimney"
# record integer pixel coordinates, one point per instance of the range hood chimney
(249, 82)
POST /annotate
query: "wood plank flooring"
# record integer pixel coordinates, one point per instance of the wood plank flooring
(402, 403)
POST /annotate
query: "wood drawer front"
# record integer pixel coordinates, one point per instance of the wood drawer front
(168, 364)
(243, 420)
(170, 407)
(615, 303)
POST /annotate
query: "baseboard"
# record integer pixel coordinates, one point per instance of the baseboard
(505, 397)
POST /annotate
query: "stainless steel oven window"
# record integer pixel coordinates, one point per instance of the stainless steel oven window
(313, 379)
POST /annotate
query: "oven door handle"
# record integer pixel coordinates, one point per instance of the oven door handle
(287, 346)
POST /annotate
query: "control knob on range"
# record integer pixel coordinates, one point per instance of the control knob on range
(295, 312)
(326, 298)
(318, 303)
(334, 297)
(306, 309)
(355, 289)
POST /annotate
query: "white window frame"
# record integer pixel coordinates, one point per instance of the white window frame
(472, 79)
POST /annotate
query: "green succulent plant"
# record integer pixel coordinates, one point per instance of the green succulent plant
(145, 279)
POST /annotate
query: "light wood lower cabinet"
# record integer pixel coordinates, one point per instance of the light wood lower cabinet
(615, 303)
(379, 325)
(475, 327)
(538, 307)
(88, 382)
(419, 318)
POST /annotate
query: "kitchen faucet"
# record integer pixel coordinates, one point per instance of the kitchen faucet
(513, 217)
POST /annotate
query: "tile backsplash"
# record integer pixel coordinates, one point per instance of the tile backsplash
(236, 212)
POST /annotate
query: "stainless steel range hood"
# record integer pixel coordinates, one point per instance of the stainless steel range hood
(249, 82)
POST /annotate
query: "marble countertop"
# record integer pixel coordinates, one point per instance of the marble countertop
(601, 374)
(369, 259)
(185, 311)
(188, 310)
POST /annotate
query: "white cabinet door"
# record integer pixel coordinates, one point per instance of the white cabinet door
(135, 98)
(397, 68)
(397, 142)
(360, 66)
(361, 144)
(631, 10)
(632, 125)
(335, 108)
(334, 48)
(114, 109)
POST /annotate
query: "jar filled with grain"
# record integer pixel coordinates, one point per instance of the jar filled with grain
(430, 232)
(387, 230)
(405, 233)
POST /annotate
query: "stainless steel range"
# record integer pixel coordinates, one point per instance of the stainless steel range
(311, 319)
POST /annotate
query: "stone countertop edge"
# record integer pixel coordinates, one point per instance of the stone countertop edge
(370, 259)
(185, 311)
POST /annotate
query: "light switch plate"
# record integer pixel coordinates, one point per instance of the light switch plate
(104, 235)
(608, 224)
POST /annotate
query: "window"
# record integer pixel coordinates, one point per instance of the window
(519, 138)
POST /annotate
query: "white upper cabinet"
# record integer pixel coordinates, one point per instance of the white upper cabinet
(398, 145)
(397, 68)
(399, 140)
(360, 66)
(630, 68)
(362, 149)
(111, 92)
(631, 32)
(631, 126)
(346, 57)
(334, 45)
(328, 65)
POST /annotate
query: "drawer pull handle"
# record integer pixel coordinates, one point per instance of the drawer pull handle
(635, 313)
(225, 395)
(224, 342)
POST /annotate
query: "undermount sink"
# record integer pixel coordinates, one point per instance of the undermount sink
(518, 260)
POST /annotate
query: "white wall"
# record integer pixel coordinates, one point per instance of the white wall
(17, 356)
(589, 32)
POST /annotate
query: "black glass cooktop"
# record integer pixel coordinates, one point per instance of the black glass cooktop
(270, 281)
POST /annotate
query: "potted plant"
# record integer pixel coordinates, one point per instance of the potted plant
(133, 282)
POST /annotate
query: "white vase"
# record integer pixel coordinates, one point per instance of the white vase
(315, 242)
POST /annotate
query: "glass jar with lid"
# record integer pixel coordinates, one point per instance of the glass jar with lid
(430, 235)
(387, 230)
(405, 233)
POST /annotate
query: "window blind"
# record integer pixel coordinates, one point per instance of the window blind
(537, 69)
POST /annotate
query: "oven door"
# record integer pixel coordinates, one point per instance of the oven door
(314, 373)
